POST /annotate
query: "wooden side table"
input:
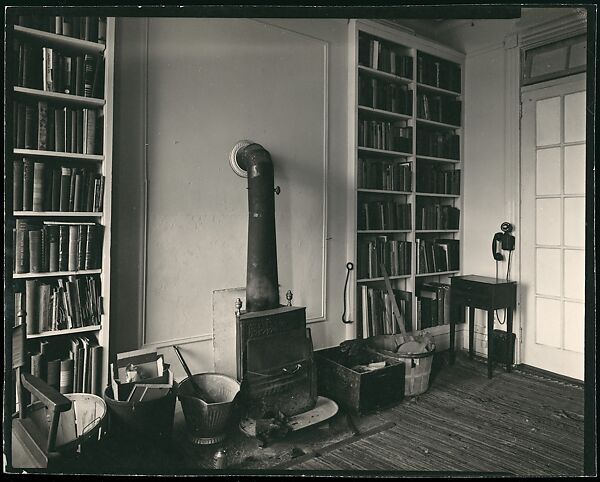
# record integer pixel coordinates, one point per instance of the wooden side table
(483, 293)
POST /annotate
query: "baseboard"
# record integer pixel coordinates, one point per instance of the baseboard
(545, 373)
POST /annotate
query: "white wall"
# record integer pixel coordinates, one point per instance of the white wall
(210, 83)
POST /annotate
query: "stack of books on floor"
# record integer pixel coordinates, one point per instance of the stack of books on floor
(72, 369)
(377, 313)
(53, 246)
(140, 375)
(40, 187)
(433, 304)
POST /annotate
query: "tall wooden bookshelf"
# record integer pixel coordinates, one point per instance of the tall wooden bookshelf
(402, 85)
(42, 37)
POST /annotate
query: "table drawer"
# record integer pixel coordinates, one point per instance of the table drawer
(471, 293)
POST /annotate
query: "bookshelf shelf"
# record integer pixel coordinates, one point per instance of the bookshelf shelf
(55, 274)
(384, 191)
(434, 194)
(372, 280)
(437, 146)
(382, 152)
(382, 231)
(70, 331)
(59, 155)
(43, 179)
(60, 98)
(61, 214)
(437, 159)
(438, 90)
(384, 75)
(437, 124)
(439, 273)
(62, 42)
(383, 113)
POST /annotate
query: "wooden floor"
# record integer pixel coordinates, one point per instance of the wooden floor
(515, 424)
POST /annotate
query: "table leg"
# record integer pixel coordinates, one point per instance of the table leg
(509, 330)
(452, 339)
(471, 330)
(490, 333)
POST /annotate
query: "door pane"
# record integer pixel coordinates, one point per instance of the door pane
(547, 171)
(548, 323)
(575, 117)
(547, 117)
(574, 326)
(574, 170)
(548, 221)
(574, 217)
(547, 272)
(574, 274)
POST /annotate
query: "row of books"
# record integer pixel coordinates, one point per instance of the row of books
(50, 70)
(438, 216)
(60, 304)
(436, 143)
(47, 127)
(384, 215)
(41, 187)
(439, 108)
(433, 304)
(91, 28)
(437, 255)
(76, 369)
(54, 246)
(377, 314)
(394, 254)
(390, 136)
(384, 56)
(394, 175)
(438, 72)
(384, 95)
(433, 179)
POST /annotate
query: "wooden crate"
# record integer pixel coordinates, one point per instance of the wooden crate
(355, 391)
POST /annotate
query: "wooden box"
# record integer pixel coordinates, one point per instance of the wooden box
(356, 391)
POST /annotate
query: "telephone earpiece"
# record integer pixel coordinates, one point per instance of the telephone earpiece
(495, 253)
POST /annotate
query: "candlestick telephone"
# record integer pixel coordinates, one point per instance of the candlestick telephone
(506, 240)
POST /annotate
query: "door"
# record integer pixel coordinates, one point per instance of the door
(553, 225)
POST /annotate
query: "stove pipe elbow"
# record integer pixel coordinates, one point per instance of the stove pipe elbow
(251, 160)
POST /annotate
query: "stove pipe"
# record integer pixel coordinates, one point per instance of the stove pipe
(251, 160)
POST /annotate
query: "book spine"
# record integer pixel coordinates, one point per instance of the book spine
(38, 186)
(28, 174)
(81, 246)
(65, 188)
(63, 247)
(77, 204)
(74, 130)
(66, 376)
(55, 196)
(53, 248)
(20, 127)
(88, 76)
(54, 374)
(44, 307)
(42, 126)
(72, 190)
(96, 370)
(30, 127)
(73, 240)
(18, 185)
(35, 251)
(79, 130)
(79, 73)
(90, 250)
(21, 246)
(31, 306)
(90, 131)
(68, 129)
(59, 129)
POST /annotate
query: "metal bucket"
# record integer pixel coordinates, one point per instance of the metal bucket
(209, 417)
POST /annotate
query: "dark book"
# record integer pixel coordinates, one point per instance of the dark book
(53, 247)
(51, 144)
(98, 83)
(63, 247)
(18, 185)
(79, 73)
(77, 200)
(22, 246)
(73, 243)
(91, 28)
(67, 26)
(54, 374)
(75, 346)
(89, 66)
(102, 30)
(55, 197)
(89, 202)
(65, 188)
(42, 127)
(82, 246)
(38, 186)
(96, 370)
(66, 375)
(72, 190)
(32, 306)
(76, 27)
(59, 129)
(89, 122)
(44, 307)
(20, 126)
(75, 126)
(35, 251)
(30, 126)
(101, 194)
(68, 129)
(79, 130)
(91, 249)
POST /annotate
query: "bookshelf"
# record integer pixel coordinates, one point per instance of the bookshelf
(405, 133)
(58, 164)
